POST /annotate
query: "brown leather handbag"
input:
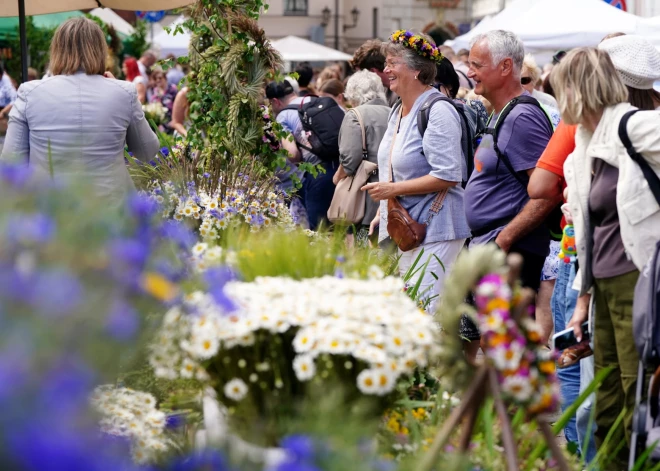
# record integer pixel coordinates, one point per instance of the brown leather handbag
(407, 233)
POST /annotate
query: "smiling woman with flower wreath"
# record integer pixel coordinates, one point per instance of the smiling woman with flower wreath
(422, 170)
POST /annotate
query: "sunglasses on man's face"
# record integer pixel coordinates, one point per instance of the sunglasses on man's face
(526, 80)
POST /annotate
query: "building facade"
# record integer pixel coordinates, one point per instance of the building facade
(335, 23)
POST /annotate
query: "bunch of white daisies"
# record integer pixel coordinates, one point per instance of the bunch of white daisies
(132, 414)
(372, 323)
(251, 206)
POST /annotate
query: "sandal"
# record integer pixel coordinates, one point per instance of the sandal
(572, 355)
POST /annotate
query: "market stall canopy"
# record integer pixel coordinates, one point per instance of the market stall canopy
(42, 7)
(295, 49)
(170, 43)
(9, 26)
(111, 18)
(546, 26)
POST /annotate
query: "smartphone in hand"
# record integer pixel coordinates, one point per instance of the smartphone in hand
(566, 338)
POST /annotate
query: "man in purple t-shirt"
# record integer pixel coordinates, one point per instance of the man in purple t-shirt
(497, 205)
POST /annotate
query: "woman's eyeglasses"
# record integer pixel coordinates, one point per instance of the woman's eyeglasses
(526, 80)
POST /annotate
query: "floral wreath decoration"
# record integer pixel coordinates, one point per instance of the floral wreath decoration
(418, 44)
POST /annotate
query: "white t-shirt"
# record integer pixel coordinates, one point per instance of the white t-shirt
(143, 71)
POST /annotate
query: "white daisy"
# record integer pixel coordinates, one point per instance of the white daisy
(188, 369)
(236, 389)
(199, 248)
(205, 348)
(518, 387)
(507, 357)
(304, 340)
(304, 367)
(367, 382)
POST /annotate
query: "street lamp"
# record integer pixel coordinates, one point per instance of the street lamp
(326, 17)
(355, 15)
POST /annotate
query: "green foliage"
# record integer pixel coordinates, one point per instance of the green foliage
(231, 61)
(38, 40)
(136, 44)
(298, 255)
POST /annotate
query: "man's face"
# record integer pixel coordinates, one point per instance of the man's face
(277, 105)
(383, 77)
(488, 77)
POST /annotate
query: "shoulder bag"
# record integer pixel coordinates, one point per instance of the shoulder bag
(349, 201)
(407, 233)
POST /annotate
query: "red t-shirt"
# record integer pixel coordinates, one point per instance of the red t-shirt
(560, 146)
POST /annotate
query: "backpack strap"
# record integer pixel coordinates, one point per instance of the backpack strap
(466, 77)
(424, 113)
(395, 108)
(649, 174)
(495, 132)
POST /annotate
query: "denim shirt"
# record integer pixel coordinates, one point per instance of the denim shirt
(438, 154)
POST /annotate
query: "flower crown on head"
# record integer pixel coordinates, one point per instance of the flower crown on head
(418, 44)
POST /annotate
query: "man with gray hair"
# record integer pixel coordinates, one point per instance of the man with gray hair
(497, 205)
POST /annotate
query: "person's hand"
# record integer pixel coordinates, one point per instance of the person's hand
(375, 222)
(503, 243)
(2, 114)
(380, 191)
(108, 75)
(339, 175)
(566, 211)
(580, 316)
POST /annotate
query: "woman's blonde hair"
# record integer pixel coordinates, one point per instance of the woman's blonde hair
(78, 45)
(529, 64)
(585, 82)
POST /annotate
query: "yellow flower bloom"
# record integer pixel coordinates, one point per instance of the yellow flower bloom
(159, 287)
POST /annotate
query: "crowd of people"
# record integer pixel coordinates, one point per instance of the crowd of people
(483, 146)
(471, 148)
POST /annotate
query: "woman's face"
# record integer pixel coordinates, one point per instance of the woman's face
(399, 74)
(124, 69)
(161, 81)
(526, 80)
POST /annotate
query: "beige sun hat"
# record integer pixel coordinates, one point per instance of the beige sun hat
(636, 60)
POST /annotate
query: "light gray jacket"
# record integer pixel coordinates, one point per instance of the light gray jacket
(81, 121)
(639, 212)
(374, 114)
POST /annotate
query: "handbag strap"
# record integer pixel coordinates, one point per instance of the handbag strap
(439, 199)
(649, 174)
(358, 115)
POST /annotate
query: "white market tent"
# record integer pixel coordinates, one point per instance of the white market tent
(546, 26)
(111, 18)
(169, 43)
(295, 49)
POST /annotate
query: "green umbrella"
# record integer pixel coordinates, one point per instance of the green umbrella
(9, 26)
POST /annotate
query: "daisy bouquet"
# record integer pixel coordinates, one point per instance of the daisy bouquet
(213, 212)
(525, 367)
(155, 112)
(132, 414)
(263, 343)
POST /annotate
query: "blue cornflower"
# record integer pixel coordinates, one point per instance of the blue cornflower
(56, 292)
(142, 206)
(16, 175)
(178, 233)
(29, 229)
(301, 447)
(216, 278)
(165, 151)
(122, 321)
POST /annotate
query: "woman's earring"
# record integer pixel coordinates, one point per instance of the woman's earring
(415, 77)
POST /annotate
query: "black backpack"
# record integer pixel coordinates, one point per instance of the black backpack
(471, 125)
(321, 117)
(553, 221)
